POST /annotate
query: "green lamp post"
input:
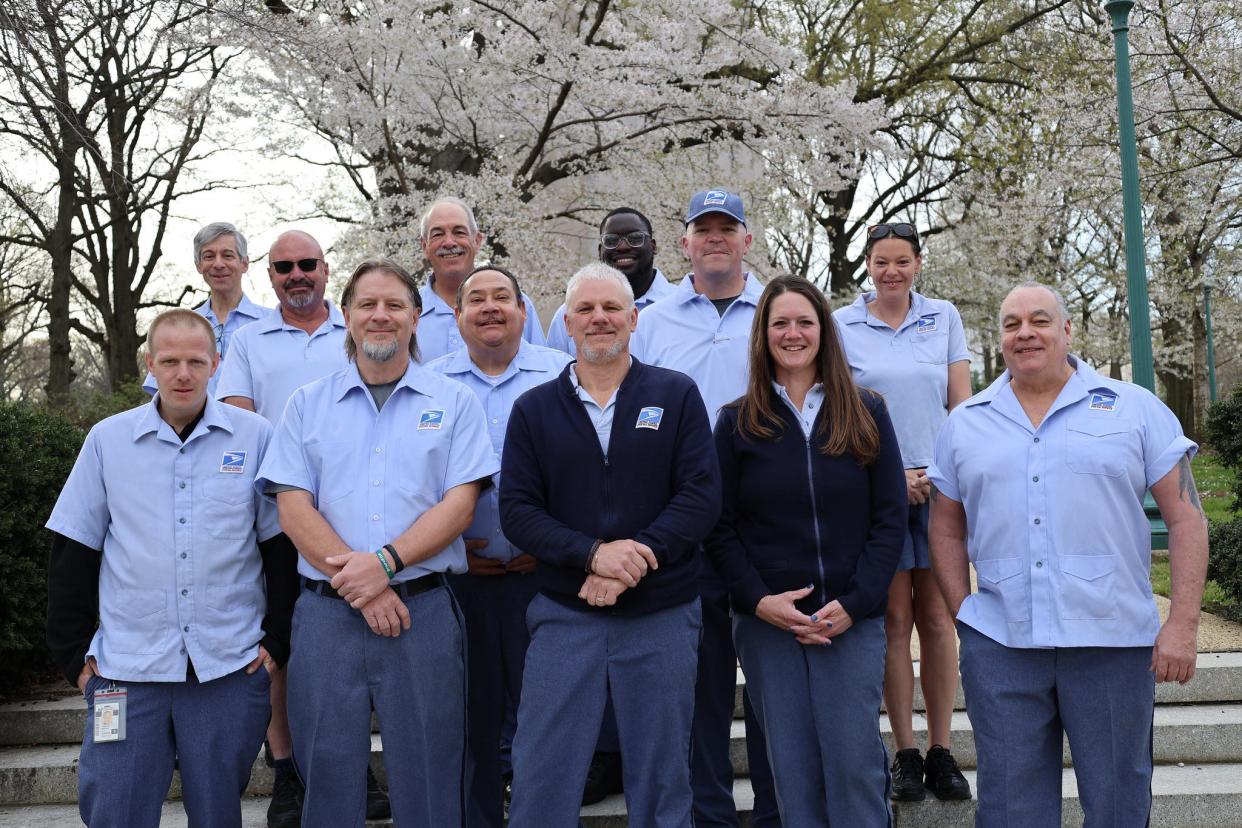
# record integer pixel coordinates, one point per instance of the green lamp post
(1136, 269)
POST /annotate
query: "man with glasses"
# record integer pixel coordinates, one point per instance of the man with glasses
(626, 242)
(450, 239)
(303, 340)
(220, 257)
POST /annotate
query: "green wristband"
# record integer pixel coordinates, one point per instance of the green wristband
(379, 553)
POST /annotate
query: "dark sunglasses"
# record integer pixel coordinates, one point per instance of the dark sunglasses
(304, 265)
(636, 239)
(903, 230)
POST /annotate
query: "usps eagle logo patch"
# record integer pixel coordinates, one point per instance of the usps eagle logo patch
(714, 197)
(233, 462)
(926, 324)
(650, 417)
(1102, 401)
(431, 419)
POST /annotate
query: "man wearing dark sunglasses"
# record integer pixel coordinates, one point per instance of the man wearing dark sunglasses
(220, 257)
(303, 340)
(626, 242)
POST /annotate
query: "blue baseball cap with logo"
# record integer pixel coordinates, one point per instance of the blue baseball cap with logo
(715, 201)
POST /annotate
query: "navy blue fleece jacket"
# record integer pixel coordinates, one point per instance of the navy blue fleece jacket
(658, 486)
(793, 516)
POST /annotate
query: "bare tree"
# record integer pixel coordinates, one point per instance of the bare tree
(102, 107)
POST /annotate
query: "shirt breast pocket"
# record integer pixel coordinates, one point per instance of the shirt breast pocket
(1001, 578)
(931, 348)
(423, 463)
(1097, 445)
(228, 507)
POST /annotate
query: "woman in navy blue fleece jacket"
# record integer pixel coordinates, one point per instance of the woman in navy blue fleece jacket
(814, 507)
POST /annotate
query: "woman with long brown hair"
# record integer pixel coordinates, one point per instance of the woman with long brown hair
(812, 524)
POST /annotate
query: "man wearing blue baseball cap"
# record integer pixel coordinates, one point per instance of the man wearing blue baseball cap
(703, 330)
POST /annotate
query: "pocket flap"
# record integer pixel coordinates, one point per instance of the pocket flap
(1088, 567)
(996, 570)
(1100, 426)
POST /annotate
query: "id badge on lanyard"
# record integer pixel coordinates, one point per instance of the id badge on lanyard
(110, 714)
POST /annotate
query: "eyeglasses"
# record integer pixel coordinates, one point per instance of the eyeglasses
(636, 239)
(304, 265)
(903, 230)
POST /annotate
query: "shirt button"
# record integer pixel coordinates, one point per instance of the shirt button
(186, 628)
(182, 484)
(494, 420)
(183, 650)
(374, 517)
(375, 482)
(1039, 564)
(378, 449)
(1037, 439)
(810, 405)
(180, 520)
(183, 555)
(1036, 521)
(1035, 478)
(185, 592)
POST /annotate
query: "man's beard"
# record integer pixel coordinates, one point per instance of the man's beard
(380, 351)
(601, 355)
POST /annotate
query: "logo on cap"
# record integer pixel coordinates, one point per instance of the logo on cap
(714, 197)
(430, 419)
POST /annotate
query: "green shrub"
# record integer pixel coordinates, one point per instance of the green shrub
(1224, 433)
(1225, 557)
(38, 448)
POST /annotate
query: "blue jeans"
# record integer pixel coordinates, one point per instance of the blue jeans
(578, 658)
(1020, 701)
(820, 708)
(416, 682)
(213, 730)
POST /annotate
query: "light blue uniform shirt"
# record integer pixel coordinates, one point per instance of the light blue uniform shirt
(1054, 515)
(908, 366)
(810, 406)
(601, 415)
(271, 359)
(437, 326)
(373, 473)
(179, 526)
(684, 332)
(558, 336)
(240, 316)
(533, 365)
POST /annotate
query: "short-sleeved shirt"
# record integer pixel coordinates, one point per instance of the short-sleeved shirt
(373, 473)
(271, 359)
(1055, 523)
(533, 365)
(908, 366)
(179, 525)
(437, 326)
(240, 316)
(558, 335)
(684, 332)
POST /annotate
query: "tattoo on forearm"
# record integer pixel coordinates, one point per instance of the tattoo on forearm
(1186, 483)
(935, 493)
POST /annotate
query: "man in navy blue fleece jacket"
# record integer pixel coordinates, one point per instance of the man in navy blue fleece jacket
(611, 482)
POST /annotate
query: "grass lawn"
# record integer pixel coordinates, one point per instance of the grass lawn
(1215, 484)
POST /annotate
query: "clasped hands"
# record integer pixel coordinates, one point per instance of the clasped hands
(363, 582)
(781, 611)
(617, 566)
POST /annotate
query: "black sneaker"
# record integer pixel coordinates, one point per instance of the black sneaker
(377, 799)
(285, 810)
(944, 778)
(908, 776)
(603, 777)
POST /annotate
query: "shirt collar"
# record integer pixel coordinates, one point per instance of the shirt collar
(245, 308)
(1083, 380)
(526, 359)
(416, 378)
(573, 379)
(659, 288)
(856, 311)
(432, 303)
(275, 321)
(215, 415)
(751, 289)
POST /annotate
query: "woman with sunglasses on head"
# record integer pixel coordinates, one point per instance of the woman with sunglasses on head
(912, 349)
(814, 509)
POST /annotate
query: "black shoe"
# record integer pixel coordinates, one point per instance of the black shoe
(285, 810)
(908, 776)
(507, 784)
(944, 778)
(377, 799)
(603, 777)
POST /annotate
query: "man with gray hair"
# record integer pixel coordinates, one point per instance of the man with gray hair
(450, 239)
(1038, 482)
(611, 482)
(221, 258)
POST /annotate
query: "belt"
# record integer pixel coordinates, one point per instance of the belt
(405, 589)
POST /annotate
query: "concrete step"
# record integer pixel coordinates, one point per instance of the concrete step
(1193, 796)
(60, 720)
(1205, 733)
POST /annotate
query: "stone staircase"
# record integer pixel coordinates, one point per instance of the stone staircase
(1197, 783)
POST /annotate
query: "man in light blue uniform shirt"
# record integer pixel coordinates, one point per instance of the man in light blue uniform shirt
(220, 257)
(160, 535)
(376, 470)
(498, 366)
(1039, 482)
(703, 330)
(626, 242)
(301, 341)
(451, 239)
